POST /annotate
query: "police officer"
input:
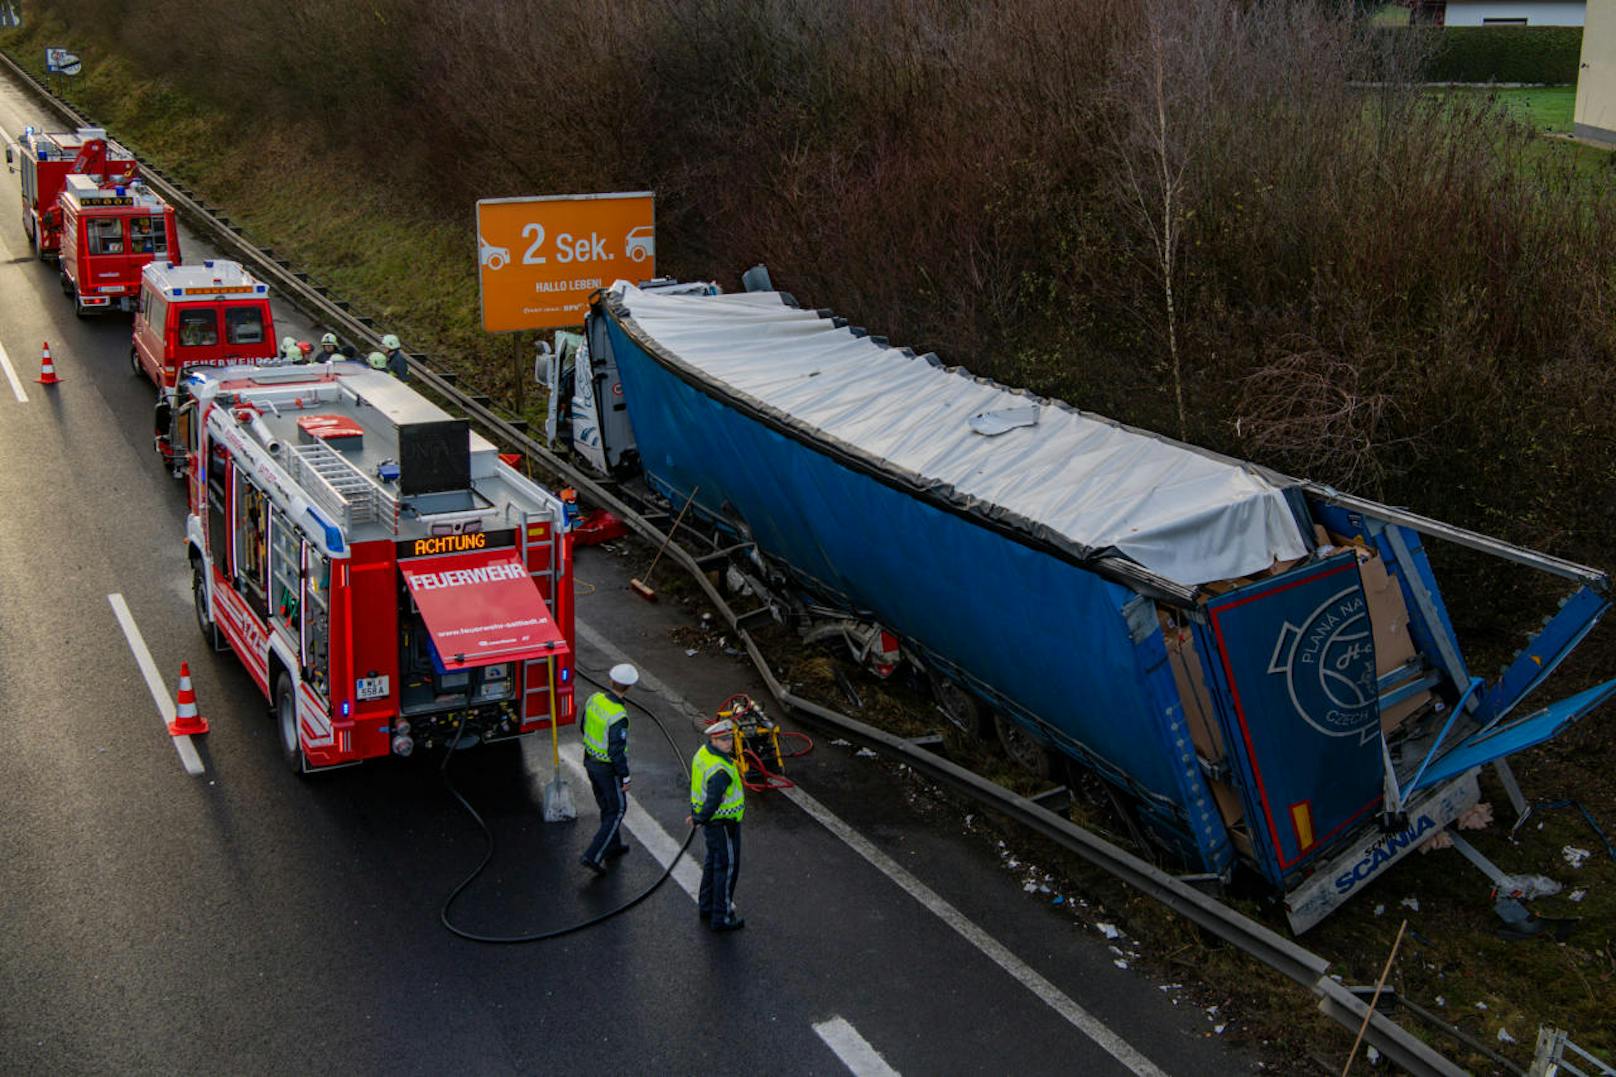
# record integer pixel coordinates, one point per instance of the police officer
(605, 730)
(397, 364)
(717, 802)
(328, 349)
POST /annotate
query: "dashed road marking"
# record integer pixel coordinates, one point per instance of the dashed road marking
(154, 681)
(11, 376)
(1046, 992)
(854, 1050)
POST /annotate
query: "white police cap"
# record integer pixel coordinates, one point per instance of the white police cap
(721, 728)
(625, 675)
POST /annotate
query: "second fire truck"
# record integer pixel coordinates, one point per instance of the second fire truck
(110, 232)
(386, 580)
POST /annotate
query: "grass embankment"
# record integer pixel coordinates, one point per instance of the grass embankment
(342, 219)
(335, 215)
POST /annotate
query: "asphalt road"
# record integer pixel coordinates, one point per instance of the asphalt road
(249, 920)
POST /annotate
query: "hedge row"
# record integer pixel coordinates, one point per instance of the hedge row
(1504, 53)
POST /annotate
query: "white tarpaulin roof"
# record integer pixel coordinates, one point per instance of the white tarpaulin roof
(1080, 481)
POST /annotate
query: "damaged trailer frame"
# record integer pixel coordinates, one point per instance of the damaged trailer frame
(1265, 666)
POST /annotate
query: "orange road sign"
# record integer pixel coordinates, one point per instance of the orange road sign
(538, 259)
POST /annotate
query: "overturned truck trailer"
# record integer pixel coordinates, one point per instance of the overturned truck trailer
(1263, 664)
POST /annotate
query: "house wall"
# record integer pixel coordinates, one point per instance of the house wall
(1535, 12)
(1595, 115)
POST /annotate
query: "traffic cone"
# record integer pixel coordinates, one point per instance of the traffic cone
(47, 371)
(186, 720)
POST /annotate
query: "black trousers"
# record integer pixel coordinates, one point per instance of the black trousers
(720, 871)
(613, 803)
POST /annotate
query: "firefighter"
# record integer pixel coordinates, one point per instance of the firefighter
(605, 732)
(376, 361)
(718, 802)
(397, 364)
(290, 352)
(328, 349)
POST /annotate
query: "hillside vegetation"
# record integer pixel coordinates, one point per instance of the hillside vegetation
(1190, 215)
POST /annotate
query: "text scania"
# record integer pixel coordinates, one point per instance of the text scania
(461, 577)
(1383, 852)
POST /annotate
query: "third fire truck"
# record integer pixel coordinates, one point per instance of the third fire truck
(47, 158)
(387, 581)
(110, 232)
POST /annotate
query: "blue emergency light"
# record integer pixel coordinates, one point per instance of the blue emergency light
(119, 191)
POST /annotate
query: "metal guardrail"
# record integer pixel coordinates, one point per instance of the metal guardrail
(1310, 970)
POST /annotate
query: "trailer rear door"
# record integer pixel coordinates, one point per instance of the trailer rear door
(1294, 670)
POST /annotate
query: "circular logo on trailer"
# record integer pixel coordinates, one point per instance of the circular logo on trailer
(1329, 667)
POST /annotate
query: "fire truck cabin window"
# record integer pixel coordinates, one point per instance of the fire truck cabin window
(147, 235)
(105, 235)
(317, 622)
(252, 549)
(198, 328)
(244, 325)
(285, 571)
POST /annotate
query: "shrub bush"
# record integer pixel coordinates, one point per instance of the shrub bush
(1549, 54)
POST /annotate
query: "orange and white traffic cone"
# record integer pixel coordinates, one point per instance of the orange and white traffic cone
(47, 370)
(186, 720)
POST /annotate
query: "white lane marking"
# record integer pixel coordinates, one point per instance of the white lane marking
(658, 842)
(1046, 992)
(854, 1050)
(11, 376)
(154, 681)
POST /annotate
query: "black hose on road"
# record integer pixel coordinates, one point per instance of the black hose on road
(488, 853)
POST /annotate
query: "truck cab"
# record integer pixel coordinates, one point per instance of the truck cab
(212, 314)
(44, 161)
(109, 234)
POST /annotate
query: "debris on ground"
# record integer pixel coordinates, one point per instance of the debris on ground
(1577, 895)
(1575, 856)
(1110, 931)
(1504, 1036)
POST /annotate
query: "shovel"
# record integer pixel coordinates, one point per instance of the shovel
(557, 796)
(643, 587)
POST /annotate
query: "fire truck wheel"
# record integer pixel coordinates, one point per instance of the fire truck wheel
(1023, 749)
(199, 599)
(286, 723)
(134, 363)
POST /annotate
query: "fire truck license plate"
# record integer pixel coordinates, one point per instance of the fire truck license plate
(372, 688)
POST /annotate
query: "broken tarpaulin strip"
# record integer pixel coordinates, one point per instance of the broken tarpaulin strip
(1555, 805)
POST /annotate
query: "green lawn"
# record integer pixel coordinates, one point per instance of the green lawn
(1548, 108)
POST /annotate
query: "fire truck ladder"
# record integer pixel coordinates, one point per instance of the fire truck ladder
(344, 490)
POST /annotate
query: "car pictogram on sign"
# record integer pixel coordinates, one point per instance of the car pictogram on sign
(641, 243)
(493, 257)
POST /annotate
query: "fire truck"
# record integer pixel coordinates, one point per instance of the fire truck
(47, 159)
(109, 234)
(386, 579)
(213, 314)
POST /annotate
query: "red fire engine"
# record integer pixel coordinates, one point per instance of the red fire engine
(47, 159)
(109, 234)
(384, 577)
(213, 314)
